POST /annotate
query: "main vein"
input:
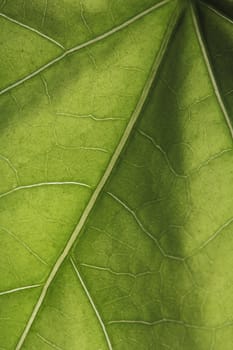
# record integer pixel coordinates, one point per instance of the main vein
(108, 171)
(87, 43)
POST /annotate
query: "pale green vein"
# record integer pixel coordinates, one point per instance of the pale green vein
(212, 237)
(139, 223)
(24, 245)
(171, 321)
(105, 177)
(10, 291)
(84, 18)
(11, 166)
(219, 14)
(93, 305)
(211, 159)
(117, 273)
(90, 116)
(161, 150)
(159, 322)
(143, 228)
(44, 13)
(86, 44)
(32, 30)
(48, 342)
(209, 68)
(42, 184)
(95, 149)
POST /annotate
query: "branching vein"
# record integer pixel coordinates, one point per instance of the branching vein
(83, 45)
(32, 30)
(210, 71)
(10, 291)
(92, 304)
(41, 184)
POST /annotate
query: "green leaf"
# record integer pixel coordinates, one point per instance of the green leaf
(116, 175)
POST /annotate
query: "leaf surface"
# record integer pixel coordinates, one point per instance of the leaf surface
(116, 176)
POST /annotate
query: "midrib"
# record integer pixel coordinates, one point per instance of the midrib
(108, 171)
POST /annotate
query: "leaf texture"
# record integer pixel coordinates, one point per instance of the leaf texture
(116, 175)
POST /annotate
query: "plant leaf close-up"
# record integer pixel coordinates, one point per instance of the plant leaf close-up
(116, 175)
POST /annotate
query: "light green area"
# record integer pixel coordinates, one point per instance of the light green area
(115, 235)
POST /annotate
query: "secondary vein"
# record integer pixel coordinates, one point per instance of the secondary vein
(217, 12)
(92, 304)
(42, 184)
(32, 30)
(10, 291)
(210, 70)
